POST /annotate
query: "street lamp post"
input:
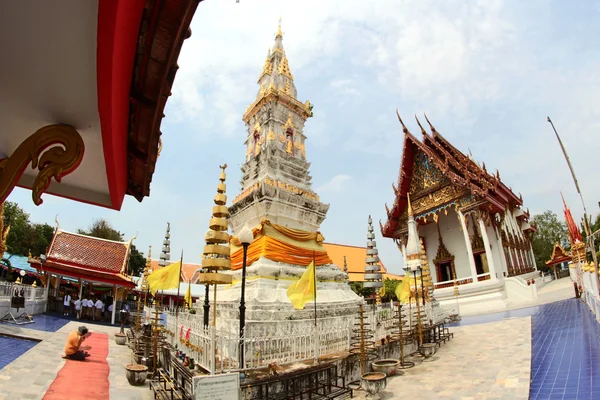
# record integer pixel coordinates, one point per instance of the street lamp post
(245, 237)
(206, 303)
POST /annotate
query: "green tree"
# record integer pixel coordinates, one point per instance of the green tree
(40, 241)
(360, 290)
(101, 228)
(137, 262)
(25, 236)
(390, 289)
(550, 230)
(20, 235)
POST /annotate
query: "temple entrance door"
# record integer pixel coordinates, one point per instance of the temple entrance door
(481, 263)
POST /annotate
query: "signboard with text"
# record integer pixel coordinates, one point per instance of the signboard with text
(217, 387)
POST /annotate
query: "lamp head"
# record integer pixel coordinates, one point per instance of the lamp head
(22, 273)
(246, 236)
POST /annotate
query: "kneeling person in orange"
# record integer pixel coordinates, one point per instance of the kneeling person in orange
(73, 349)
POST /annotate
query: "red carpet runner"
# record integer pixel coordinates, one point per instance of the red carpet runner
(84, 379)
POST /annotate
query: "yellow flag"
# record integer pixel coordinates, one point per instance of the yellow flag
(382, 290)
(188, 295)
(303, 290)
(165, 278)
(403, 290)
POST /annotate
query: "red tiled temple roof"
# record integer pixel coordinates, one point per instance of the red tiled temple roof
(460, 170)
(88, 258)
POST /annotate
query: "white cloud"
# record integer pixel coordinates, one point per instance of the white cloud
(334, 185)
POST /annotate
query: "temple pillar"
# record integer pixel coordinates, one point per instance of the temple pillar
(500, 251)
(461, 218)
(488, 250)
(112, 317)
(533, 264)
(80, 288)
(47, 290)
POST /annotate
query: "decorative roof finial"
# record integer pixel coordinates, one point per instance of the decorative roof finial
(345, 265)
(430, 125)
(404, 129)
(410, 210)
(279, 33)
(420, 126)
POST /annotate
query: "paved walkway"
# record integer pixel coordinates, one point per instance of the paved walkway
(486, 361)
(30, 375)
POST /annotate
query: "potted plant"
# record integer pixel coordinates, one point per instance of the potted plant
(136, 374)
(120, 339)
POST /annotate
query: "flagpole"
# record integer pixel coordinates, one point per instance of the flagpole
(586, 225)
(315, 303)
(178, 285)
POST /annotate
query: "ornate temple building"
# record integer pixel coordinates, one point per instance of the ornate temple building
(278, 203)
(474, 231)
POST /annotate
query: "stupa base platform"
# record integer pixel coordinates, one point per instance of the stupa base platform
(266, 298)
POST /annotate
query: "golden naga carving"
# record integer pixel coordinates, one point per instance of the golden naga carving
(39, 150)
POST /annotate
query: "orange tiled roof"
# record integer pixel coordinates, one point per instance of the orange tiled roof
(88, 252)
(355, 260)
(187, 270)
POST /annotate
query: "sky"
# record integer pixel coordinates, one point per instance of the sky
(487, 73)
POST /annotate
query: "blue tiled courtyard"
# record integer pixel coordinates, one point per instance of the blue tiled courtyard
(12, 348)
(46, 323)
(565, 352)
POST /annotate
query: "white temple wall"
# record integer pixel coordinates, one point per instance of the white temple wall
(453, 239)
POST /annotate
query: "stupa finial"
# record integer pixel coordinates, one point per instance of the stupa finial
(279, 32)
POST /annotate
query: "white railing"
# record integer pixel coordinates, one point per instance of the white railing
(266, 342)
(7, 290)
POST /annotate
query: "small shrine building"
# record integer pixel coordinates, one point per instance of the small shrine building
(91, 262)
(473, 227)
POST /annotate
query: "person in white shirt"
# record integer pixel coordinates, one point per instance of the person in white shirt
(77, 303)
(98, 313)
(84, 307)
(66, 304)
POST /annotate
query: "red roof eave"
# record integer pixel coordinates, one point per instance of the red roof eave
(84, 273)
(118, 30)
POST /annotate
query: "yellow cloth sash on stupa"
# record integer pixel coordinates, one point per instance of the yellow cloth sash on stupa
(281, 244)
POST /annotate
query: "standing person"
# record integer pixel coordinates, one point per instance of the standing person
(98, 313)
(73, 349)
(84, 306)
(124, 315)
(77, 303)
(66, 304)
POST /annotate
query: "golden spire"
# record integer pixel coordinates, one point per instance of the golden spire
(284, 68)
(267, 67)
(279, 33)
(410, 211)
(216, 255)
